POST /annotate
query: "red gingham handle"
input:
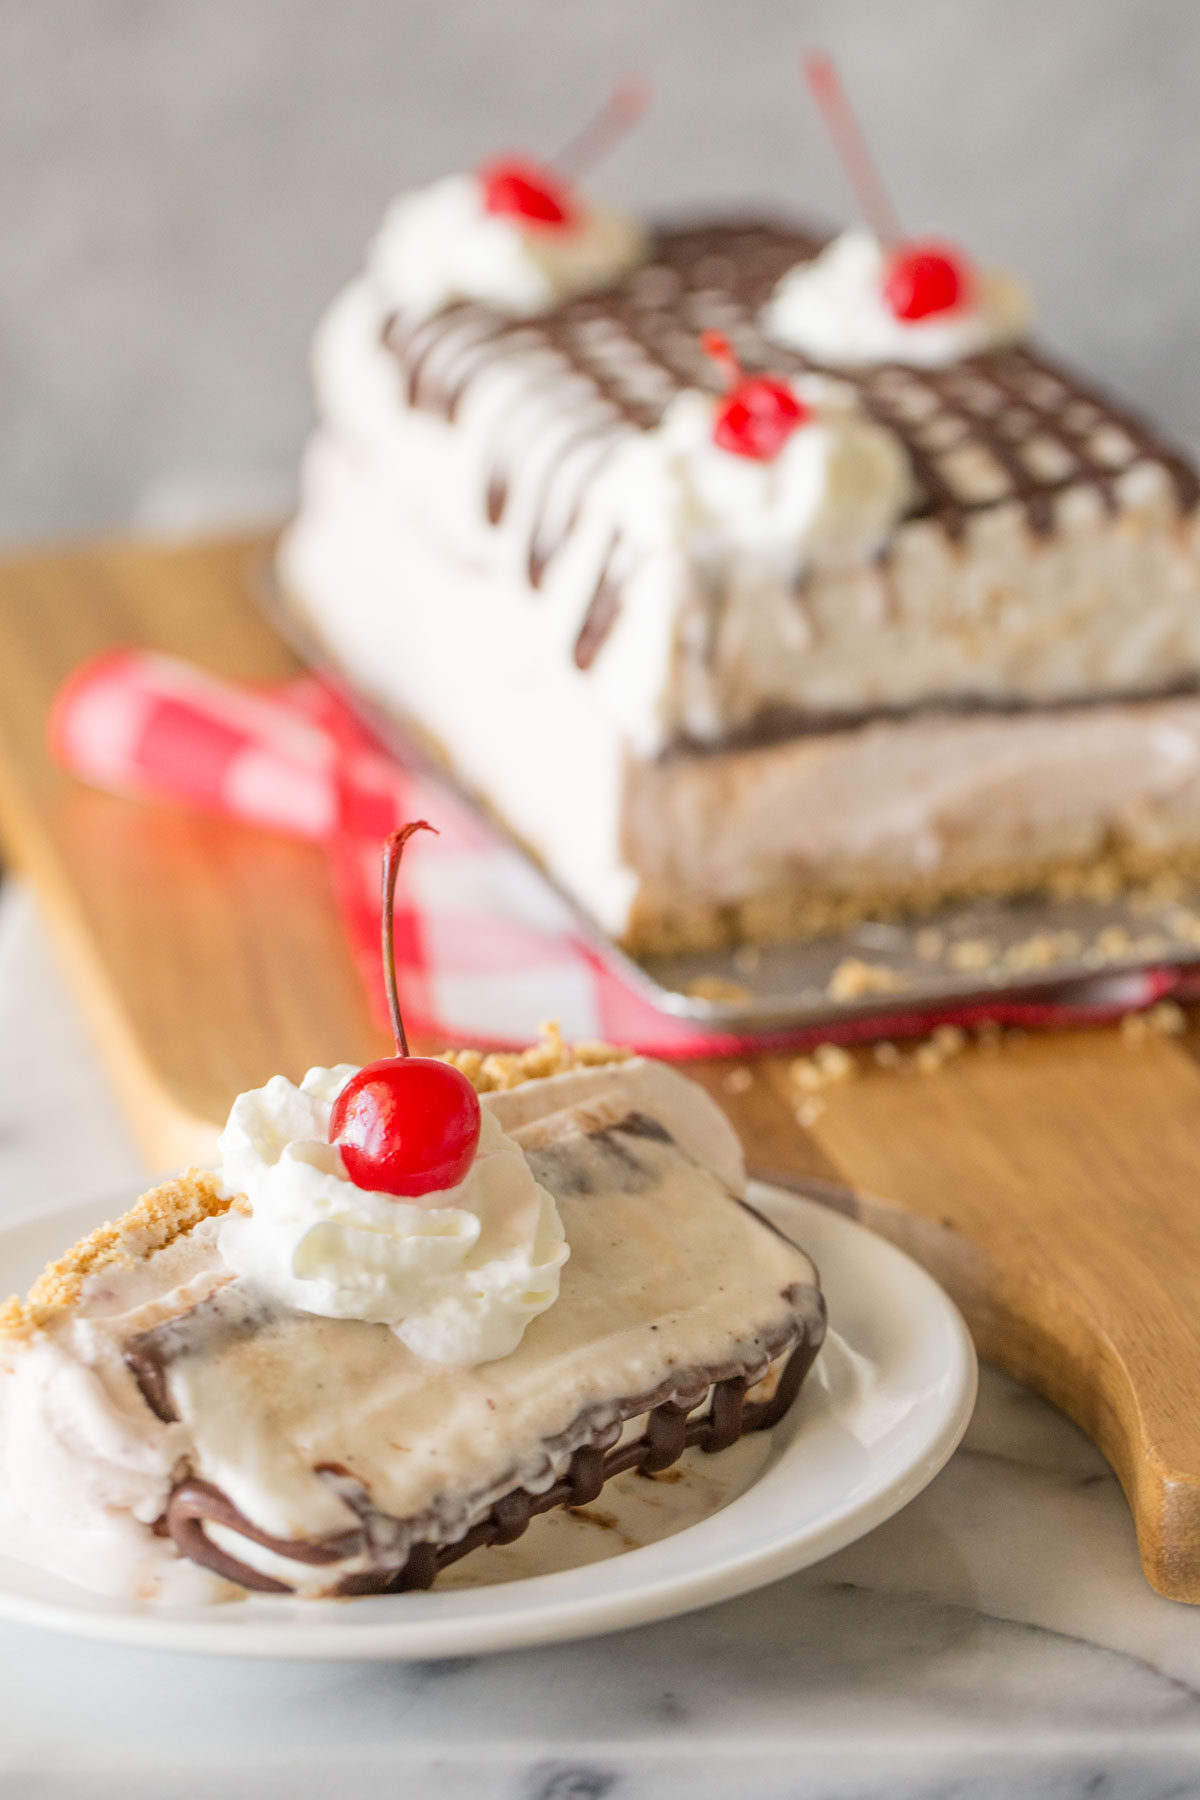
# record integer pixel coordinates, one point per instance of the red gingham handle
(155, 728)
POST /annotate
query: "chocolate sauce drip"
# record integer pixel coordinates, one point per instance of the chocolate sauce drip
(635, 347)
(544, 547)
(728, 1409)
(601, 614)
(510, 1516)
(539, 561)
(233, 1311)
(666, 1438)
(151, 1376)
(673, 1425)
(600, 1160)
(194, 1504)
(586, 1475)
(497, 497)
(641, 1125)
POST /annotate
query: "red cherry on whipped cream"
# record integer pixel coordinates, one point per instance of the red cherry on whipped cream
(521, 189)
(406, 1125)
(923, 280)
(759, 412)
(517, 187)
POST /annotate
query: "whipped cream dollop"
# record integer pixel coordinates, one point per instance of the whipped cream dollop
(440, 244)
(834, 309)
(458, 1277)
(831, 493)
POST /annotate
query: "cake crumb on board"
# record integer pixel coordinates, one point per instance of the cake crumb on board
(854, 979)
(1167, 1019)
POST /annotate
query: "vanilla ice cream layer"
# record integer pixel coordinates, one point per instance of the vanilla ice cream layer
(708, 623)
(305, 1423)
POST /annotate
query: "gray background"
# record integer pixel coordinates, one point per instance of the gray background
(183, 185)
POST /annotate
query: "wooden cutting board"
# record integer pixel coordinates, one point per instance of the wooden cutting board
(1053, 1186)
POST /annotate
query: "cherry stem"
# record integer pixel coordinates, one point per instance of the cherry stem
(718, 347)
(393, 850)
(845, 133)
(604, 130)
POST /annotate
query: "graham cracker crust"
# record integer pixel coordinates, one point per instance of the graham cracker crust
(792, 914)
(163, 1214)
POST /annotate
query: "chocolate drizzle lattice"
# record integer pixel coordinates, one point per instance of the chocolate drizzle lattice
(1009, 426)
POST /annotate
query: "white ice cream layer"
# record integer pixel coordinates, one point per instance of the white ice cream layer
(439, 245)
(458, 1281)
(834, 310)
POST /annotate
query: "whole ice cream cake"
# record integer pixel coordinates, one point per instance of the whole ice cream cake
(276, 1379)
(757, 583)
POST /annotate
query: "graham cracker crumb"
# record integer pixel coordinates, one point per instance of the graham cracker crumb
(972, 954)
(835, 1063)
(165, 1213)
(1042, 950)
(1186, 925)
(930, 1054)
(808, 1112)
(947, 1042)
(738, 1081)
(13, 1322)
(502, 1069)
(828, 1065)
(854, 979)
(1167, 1019)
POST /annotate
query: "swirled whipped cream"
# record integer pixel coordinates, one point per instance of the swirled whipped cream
(440, 244)
(458, 1281)
(831, 493)
(834, 309)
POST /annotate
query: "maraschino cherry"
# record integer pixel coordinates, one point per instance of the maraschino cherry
(921, 279)
(540, 193)
(522, 189)
(924, 279)
(406, 1125)
(759, 412)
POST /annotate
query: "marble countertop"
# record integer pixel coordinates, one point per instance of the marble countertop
(995, 1639)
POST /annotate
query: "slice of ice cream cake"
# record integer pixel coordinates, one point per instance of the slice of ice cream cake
(276, 1379)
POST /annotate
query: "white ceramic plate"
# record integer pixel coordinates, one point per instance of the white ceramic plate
(884, 1407)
